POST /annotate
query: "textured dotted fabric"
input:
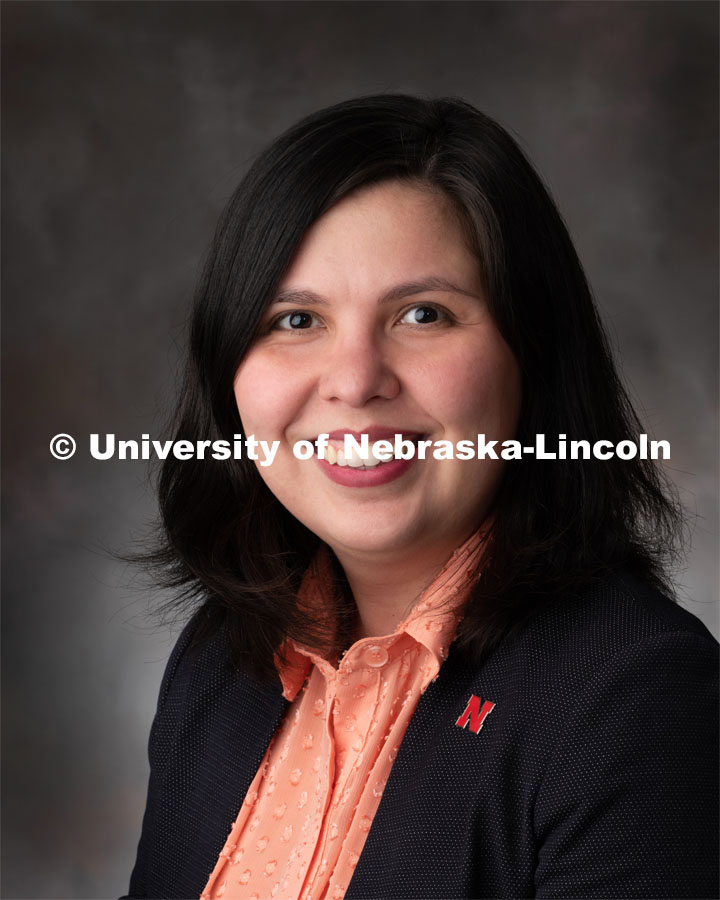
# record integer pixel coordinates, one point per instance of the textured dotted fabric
(595, 776)
(304, 821)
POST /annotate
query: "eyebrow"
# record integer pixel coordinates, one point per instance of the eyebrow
(398, 292)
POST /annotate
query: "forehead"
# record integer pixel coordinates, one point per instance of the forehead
(392, 231)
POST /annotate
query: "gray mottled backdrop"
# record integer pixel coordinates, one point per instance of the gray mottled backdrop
(125, 127)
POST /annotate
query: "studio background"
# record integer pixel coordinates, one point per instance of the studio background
(125, 126)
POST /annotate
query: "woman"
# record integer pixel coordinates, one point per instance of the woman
(435, 677)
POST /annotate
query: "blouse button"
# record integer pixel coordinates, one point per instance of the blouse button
(376, 656)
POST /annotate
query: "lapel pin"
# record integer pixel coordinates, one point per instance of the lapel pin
(475, 713)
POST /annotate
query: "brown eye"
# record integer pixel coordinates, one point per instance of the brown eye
(294, 321)
(422, 315)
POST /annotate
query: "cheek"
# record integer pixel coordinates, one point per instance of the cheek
(264, 400)
(478, 389)
(501, 389)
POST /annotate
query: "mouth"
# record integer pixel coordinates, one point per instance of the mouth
(373, 454)
(374, 457)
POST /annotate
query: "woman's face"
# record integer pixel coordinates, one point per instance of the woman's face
(380, 326)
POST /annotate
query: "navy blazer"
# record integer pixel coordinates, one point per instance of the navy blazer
(594, 776)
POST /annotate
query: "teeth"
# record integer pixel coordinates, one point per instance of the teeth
(337, 457)
(355, 461)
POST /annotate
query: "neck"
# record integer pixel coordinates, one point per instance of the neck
(386, 590)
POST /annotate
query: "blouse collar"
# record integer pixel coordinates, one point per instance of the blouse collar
(432, 621)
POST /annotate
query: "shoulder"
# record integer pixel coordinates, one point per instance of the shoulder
(596, 772)
(634, 749)
(199, 653)
(616, 668)
(203, 693)
(618, 655)
(208, 738)
(613, 616)
(622, 639)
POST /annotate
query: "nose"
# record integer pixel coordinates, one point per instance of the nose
(356, 370)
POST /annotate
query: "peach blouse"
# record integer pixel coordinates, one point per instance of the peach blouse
(302, 826)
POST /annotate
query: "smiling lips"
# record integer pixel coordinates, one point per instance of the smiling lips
(352, 456)
(350, 468)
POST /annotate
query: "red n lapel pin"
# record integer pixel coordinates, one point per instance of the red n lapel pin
(475, 713)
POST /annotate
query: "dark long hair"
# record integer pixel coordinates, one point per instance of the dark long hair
(227, 541)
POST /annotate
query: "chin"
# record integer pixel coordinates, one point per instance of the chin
(367, 538)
